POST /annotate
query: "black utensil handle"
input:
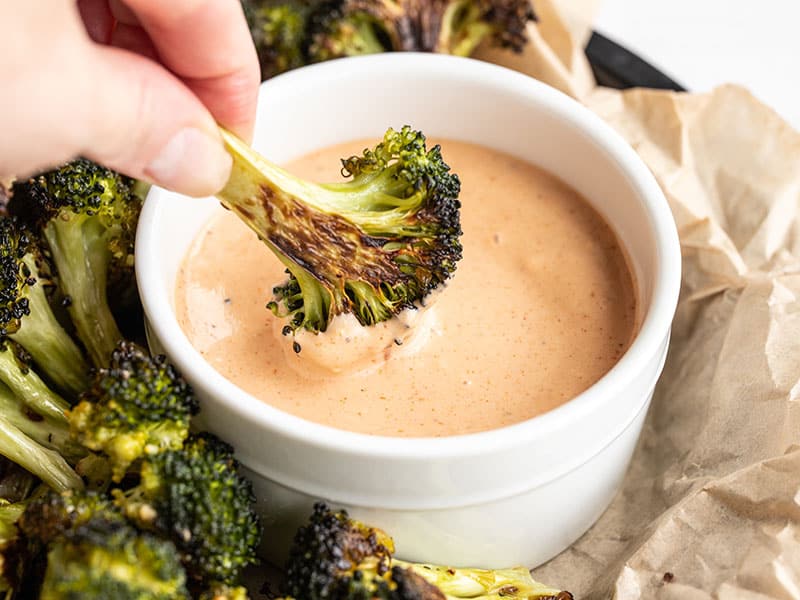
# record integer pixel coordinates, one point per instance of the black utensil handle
(616, 67)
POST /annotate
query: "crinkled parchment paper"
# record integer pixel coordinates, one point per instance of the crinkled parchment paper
(710, 507)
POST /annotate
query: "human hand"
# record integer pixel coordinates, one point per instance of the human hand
(134, 85)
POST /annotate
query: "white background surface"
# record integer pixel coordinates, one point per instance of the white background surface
(703, 43)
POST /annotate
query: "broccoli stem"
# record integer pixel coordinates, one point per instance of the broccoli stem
(27, 386)
(481, 584)
(50, 433)
(81, 256)
(47, 465)
(46, 341)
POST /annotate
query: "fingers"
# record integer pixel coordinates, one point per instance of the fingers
(144, 122)
(207, 44)
(97, 19)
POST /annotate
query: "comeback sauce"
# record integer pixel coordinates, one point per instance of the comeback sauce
(540, 307)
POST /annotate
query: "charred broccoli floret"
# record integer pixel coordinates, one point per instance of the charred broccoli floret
(25, 313)
(137, 406)
(278, 31)
(371, 246)
(335, 557)
(197, 498)
(88, 215)
(103, 559)
(291, 33)
(224, 592)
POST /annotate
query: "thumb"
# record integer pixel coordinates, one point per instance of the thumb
(144, 122)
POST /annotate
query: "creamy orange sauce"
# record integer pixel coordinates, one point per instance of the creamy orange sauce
(541, 306)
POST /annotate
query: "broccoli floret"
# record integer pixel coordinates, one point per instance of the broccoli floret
(10, 513)
(335, 557)
(196, 497)
(337, 29)
(87, 214)
(103, 559)
(278, 31)
(25, 314)
(290, 34)
(224, 592)
(371, 246)
(137, 406)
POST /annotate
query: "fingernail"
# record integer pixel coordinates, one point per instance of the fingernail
(192, 163)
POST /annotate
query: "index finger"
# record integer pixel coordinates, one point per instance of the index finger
(207, 44)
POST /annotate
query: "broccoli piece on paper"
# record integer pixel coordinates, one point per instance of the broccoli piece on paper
(334, 557)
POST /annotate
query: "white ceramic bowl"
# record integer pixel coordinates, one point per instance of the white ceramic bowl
(516, 495)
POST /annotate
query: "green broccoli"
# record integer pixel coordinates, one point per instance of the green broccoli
(79, 545)
(371, 246)
(278, 31)
(224, 592)
(103, 559)
(17, 374)
(196, 497)
(49, 465)
(9, 515)
(290, 33)
(136, 406)
(335, 557)
(25, 313)
(87, 214)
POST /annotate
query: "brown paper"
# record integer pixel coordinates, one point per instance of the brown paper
(710, 507)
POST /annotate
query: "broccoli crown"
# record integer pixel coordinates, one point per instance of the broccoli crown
(102, 559)
(49, 516)
(15, 275)
(334, 557)
(87, 215)
(291, 33)
(371, 246)
(197, 498)
(85, 188)
(81, 187)
(339, 28)
(137, 406)
(278, 31)
(224, 592)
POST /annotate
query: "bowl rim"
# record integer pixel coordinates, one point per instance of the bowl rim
(654, 328)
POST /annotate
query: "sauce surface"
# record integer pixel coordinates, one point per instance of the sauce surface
(541, 306)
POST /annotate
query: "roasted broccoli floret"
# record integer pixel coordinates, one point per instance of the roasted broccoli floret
(278, 31)
(371, 246)
(25, 313)
(106, 559)
(137, 406)
(224, 592)
(290, 33)
(88, 215)
(197, 498)
(350, 27)
(335, 557)
(10, 513)
(79, 545)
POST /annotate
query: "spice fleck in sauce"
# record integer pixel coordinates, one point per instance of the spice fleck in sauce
(541, 306)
